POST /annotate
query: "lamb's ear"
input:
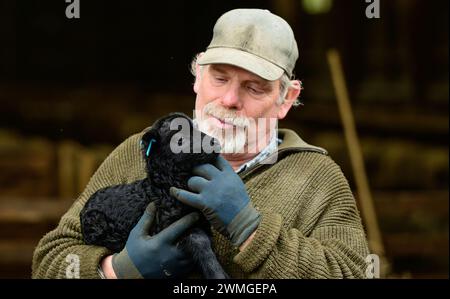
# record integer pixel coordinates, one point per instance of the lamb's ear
(148, 142)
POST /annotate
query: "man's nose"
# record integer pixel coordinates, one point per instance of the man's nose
(231, 98)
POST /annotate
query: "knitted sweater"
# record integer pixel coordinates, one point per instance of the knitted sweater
(310, 226)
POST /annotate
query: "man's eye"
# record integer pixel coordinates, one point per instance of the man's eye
(255, 91)
(220, 79)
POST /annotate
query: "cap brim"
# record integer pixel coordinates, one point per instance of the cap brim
(242, 59)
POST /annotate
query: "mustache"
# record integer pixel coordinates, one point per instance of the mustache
(227, 115)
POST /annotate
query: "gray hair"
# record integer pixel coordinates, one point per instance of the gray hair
(285, 83)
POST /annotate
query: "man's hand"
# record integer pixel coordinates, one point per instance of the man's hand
(222, 197)
(155, 256)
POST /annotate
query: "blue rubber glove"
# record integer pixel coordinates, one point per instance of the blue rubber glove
(222, 197)
(155, 256)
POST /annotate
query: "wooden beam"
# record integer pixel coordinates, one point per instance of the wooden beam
(364, 195)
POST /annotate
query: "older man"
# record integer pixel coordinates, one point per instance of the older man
(279, 207)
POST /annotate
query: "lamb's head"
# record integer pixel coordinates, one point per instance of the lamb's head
(173, 146)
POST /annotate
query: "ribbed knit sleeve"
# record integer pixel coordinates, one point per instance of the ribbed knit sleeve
(55, 250)
(326, 240)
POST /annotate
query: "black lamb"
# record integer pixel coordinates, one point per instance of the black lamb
(111, 213)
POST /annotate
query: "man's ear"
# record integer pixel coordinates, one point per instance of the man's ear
(293, 93)
(197, 74)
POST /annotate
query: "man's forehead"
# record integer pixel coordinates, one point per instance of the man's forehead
(227, 68)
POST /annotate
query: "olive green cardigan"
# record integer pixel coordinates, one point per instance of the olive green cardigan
(310, 225)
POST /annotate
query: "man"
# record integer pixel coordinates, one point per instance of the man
(289, 217)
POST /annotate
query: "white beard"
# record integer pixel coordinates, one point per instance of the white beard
(232, 140)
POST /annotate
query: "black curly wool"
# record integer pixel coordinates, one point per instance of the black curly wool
(111, 213)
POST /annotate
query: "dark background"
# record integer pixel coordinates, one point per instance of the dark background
(73, 89)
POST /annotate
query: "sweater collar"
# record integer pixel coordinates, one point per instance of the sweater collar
(293, 142)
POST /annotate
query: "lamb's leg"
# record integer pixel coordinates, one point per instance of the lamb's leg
(198, 244)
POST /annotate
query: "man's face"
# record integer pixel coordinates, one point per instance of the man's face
(231, 100)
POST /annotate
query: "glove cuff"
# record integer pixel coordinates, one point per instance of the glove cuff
(124, 267)
(243, 225)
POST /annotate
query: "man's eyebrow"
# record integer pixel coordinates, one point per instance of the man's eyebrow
(218, 69)
(260, 82)
(256, 80)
